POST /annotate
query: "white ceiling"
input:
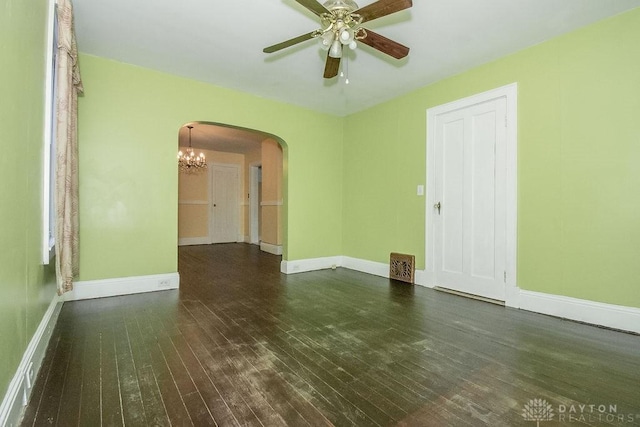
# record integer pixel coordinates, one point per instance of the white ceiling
(221, 42)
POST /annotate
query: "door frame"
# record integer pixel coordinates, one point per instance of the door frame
(254, 219)
(239, 192)
(510, 92)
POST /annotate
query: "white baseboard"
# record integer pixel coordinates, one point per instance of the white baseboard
(422, 277)
(190, 241)
(595, 313)
(425, 278)
(22, 383)
(312, 264)
(272, 249)
(122, 286)
(365, 266)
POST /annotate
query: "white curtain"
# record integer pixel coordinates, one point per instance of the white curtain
(68, 86)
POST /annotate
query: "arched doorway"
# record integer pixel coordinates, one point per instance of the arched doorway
(241, 195)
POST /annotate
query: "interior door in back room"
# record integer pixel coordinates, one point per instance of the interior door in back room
(469, 216)
(225, 215)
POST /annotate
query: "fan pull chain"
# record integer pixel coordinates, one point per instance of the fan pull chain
(346, 66)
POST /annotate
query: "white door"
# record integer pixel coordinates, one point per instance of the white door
(225, 204)
(469, 214)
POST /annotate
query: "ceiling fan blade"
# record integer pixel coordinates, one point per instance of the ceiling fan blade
(332, 67)
(385, 45)
(285, 44)
(383, 8)
(313, 6)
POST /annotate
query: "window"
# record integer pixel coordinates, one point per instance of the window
(49, 157)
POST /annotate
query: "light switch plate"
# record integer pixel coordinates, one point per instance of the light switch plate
(420, 190)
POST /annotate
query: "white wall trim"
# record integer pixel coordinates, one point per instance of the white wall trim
(193, 202)
(311, 264)
(425, 278)
(272, 249)
(122, 286)
(422, 277)
(254, 202)
(48, 250)
(21, 385)
(595, 313)
(188, 241)
(365, 266)
(271, 203)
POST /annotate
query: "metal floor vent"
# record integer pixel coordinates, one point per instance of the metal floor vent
(402, 267)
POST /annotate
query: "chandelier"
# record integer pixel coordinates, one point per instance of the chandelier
(190, 163)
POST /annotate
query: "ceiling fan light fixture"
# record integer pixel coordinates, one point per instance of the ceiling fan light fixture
(336, 49)
(326, 39)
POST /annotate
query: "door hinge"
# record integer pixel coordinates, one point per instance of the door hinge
(506, 122)
(505, 277)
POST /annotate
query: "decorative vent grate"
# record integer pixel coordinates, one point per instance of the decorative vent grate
(402, 267)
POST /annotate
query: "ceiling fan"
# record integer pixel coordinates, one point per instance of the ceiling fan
(341, 22)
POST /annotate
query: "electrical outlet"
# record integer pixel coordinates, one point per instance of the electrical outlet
(164, 283)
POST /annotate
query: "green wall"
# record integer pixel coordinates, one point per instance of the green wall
(27, 287)
(578, 164)
(128, 130)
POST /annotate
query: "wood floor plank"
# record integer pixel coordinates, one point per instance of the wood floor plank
(171, 397)
(71, 397)
(152, 402)
(130, 394)
(90, 398)
(110, 386)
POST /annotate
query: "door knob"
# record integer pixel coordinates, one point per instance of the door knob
(438, 206)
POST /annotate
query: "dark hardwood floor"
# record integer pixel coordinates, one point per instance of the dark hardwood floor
(242, 344)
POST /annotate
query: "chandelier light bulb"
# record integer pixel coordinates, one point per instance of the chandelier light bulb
(353, 45)
(346, 35)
